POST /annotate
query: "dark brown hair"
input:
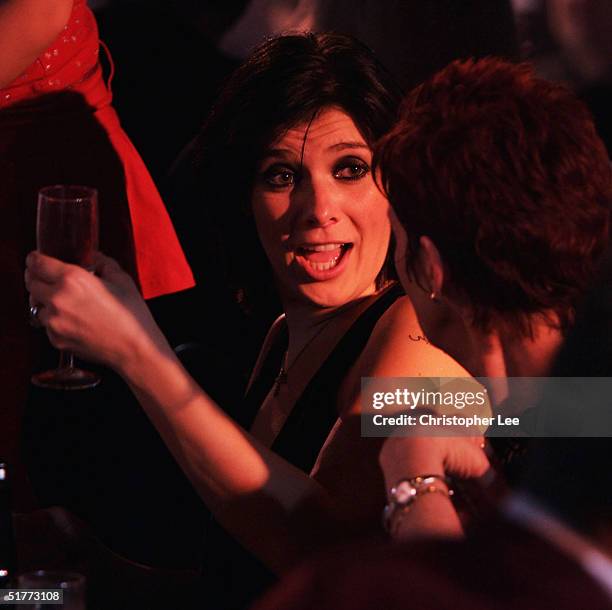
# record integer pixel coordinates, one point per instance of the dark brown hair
(287, 80)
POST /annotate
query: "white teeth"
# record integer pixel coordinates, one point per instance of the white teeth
(324, 266)
(322, 247)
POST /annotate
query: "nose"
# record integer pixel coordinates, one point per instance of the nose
(316, 204)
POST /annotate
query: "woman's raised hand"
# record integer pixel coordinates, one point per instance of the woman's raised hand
(460, 456)
(99, 317)
(408, 457)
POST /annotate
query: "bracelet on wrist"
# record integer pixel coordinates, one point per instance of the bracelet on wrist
(407, 491)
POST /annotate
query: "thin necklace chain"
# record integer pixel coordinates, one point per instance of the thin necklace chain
(282, 377)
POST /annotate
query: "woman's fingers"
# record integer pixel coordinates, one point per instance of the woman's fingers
(67, 292)
(465, 460)
(57, 290)
(105, 265)
(110, 272)
(51, 270)
(100, 318)
(406, 457)
(45, 268)
(41, 269)
(478, 441)
(47, 316)
(41, 293)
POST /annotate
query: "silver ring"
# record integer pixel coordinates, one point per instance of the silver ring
(34, 311)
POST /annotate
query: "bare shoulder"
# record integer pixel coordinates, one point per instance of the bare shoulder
(45, 19)
(27, 28)
(398, 348)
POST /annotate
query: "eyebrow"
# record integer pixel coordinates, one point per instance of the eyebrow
(348, 145)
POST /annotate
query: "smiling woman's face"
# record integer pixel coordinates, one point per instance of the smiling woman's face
(321, 219)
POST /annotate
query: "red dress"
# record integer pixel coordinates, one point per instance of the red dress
(57, 126)
(71, 64)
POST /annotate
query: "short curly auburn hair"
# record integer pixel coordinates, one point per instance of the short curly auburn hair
(505, 173)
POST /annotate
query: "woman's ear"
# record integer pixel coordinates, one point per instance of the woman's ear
(430, 267)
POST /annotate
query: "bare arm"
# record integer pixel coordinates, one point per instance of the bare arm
(431, 514)
(274, 509)
(27, 28)
(271, 507)
(398, 349)
(266, 503)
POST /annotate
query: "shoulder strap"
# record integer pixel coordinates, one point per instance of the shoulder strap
(259, 387)
(315, 412)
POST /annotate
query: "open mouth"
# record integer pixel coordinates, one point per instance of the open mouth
(322, 260)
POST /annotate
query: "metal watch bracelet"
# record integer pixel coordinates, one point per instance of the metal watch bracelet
(406, 491)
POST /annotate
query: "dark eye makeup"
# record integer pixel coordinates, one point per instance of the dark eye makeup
(279, 175)
(282, 175)
(351, 168)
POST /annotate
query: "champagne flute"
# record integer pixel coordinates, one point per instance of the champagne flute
(67, 228)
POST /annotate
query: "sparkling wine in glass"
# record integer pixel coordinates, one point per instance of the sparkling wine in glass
(67, 228)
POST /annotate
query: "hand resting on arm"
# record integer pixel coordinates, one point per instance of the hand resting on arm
(460, 457)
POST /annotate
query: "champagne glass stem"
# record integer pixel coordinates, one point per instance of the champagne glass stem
(66, 360)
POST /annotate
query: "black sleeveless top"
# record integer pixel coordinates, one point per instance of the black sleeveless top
(233, 577)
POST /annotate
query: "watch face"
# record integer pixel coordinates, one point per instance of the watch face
(404, 492)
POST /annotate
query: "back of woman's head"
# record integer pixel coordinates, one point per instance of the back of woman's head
(287, 80)
(506, 175)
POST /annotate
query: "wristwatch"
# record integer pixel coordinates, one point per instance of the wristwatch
(406, 491)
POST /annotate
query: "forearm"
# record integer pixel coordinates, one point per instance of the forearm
(256, 495)
(27, 28)
(408, 461)
(431, 515)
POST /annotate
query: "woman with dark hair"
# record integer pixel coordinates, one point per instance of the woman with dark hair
(501, 194)
(281, 84)
(286, 155)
